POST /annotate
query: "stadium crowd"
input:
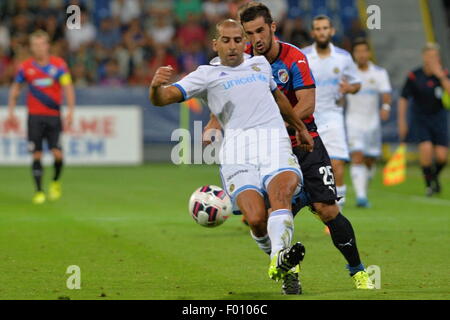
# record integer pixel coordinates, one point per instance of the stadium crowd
(123, 42)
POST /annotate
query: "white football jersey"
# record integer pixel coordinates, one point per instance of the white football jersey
(240, 97)
(363, 107)
(328, 73)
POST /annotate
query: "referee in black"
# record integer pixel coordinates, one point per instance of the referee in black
(426, 86)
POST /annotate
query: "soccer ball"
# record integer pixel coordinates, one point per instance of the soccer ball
(210, 206)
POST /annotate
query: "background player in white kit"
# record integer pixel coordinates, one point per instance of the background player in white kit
(335, 74)
(363, 119)
(238, 93)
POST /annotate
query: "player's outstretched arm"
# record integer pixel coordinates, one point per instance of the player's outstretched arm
(306, 142)
(160, 93)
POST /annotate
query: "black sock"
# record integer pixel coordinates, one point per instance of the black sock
(58, 168)
(428, 175)
(343, 237)
(438, 167)
(37, 174)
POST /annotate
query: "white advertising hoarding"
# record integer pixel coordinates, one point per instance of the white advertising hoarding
(99, 135)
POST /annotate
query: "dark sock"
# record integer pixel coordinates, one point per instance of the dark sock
(438, 167)
(343, 237)
(37, 174)
(428, 175)
(58, 168)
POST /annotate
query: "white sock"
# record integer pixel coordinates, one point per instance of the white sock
(263, 242)
(280, 227)
(341, 191)
(359, 175)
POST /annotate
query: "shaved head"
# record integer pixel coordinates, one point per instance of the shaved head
(228, 23)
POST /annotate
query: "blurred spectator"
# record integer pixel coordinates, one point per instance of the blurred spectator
(215, 10)
(85, 35)
(356, 31)
(109, 35)
(140, 76)
(186, 8)
(80, 76)
(296, 33)
(125, 10)
(161, 58)
(161, 31)
(4, 37)
(278, 9)
(54, 29)
(233, 7)
(192, 57)
(191, 32)
(112, 77)
(5, 67)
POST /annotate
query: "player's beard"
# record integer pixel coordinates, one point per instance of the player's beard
(270, 43)
(324, 44)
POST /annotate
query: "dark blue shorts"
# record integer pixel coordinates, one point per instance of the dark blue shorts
(431, 127)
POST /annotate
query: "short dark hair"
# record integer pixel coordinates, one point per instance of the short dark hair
(321, 17)
(360, 41)
(253, 10)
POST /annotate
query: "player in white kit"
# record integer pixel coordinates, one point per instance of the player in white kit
(335, 74)
(243, 96)
(362, 117)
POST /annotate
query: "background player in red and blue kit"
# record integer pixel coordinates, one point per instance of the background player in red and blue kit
(426, 86)
(293, 76)
(47, 77)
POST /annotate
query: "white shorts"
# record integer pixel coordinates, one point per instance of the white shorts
(335, 140)
(367, 141)
(257, 176)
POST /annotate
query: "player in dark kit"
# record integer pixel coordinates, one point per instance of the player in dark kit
(47, 76)
(291, 72)
(426, 86)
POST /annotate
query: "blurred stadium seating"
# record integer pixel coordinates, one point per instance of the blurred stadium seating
(121, 44)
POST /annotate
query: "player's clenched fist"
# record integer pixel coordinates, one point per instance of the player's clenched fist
(162, 76)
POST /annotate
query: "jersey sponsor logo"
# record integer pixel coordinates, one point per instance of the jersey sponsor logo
(52, 71)
(44, 82)
(245, 80)
(283, 75)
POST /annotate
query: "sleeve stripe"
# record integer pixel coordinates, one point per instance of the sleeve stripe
(181, 89)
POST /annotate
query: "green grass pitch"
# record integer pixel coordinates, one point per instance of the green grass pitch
(129, 231)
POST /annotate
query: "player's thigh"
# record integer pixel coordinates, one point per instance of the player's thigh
(284, 170)
(53, 134)
(355, 143)
(36, 133)
(318, 177)
(281, 189)
(238, 178)
(372, 145)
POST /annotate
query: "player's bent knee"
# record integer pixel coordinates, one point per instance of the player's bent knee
(326, 211)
